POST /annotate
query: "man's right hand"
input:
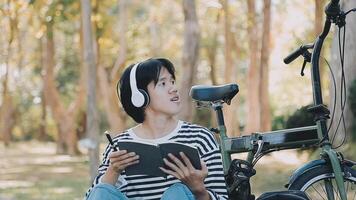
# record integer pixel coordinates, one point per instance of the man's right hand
(119, 160)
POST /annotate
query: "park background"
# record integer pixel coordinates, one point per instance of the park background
(60, 61)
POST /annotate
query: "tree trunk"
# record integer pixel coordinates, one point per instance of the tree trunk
(319, 13)
(120, 61)
(107, 84)
(7, 109)
(265, 120)
(350, 71)
(211, 50)
(190, 57)
(89, 63)
(67, 138)
(253, 81)
(7, 118)
(154, 29)
(318, 27)
(42, 135)
(231, 121)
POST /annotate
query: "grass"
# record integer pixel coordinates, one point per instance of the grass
(32, 170)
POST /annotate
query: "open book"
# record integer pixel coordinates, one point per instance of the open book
(151, 156)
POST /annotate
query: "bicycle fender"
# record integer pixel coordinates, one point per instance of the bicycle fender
(306, 167)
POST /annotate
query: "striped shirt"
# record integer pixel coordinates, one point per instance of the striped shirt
(148, 187)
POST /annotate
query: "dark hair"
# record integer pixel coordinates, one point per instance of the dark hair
(146, 72)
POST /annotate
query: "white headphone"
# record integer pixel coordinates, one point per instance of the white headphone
(139, 97)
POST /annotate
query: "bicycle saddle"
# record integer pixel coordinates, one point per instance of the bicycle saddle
(289, 194)
(214, 93)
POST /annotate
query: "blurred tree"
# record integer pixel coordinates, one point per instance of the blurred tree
(230, 74)
(211, 49)
(64, 117)
(318, 18)
(349, 73)
(108, 81)
(265, 116)
(154, 29)
(8, 109)
(89, 63)
(253, 79)
(318, 28)
(352, 103)
(190, 56)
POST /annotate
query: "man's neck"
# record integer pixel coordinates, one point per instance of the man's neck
(156, 128)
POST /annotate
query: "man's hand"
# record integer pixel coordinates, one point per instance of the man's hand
(185, 172)
(119, 160)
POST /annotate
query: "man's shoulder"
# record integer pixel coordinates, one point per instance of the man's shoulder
(195, 128)
(200, 134)
(124, 135)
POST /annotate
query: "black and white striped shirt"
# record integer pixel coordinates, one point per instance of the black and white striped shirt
(147, 187)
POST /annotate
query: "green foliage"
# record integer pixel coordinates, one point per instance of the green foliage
(300, 117)
(67, 77)
(352, 97)
(203, 117)
(352, 102)
(278, 122)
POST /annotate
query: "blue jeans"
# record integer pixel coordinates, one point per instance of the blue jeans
(177, 191)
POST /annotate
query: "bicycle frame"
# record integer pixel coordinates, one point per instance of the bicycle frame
(304, 136)
(258, 143)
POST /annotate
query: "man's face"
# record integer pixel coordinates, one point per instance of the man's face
(164, 96)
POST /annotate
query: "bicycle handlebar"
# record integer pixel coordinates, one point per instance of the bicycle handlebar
(296, 53)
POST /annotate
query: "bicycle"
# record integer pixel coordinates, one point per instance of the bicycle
(330, 177)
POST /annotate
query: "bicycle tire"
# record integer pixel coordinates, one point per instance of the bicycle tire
(312, 183)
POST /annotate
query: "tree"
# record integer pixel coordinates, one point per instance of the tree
(211, 50)
(7, 109)
(253, 80)
(265, 116)
(154, 30)
(319, 13)
(230, 73)
(190, 56)
(65, 116)
(89, 63)
(318, 28)
(349, 71)
(108, 81)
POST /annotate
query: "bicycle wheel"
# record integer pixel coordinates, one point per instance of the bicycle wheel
(315, 181)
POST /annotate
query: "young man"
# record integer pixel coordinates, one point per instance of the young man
(149, 94)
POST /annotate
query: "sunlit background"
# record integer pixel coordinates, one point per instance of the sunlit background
(43, 138)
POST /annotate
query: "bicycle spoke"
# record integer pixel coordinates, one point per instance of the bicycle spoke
(335, 191)
(309, 197)
(318, 192)
(329, 189)
(324, 187)
(324, 190)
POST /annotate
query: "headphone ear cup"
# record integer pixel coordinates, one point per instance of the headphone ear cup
(147, 98)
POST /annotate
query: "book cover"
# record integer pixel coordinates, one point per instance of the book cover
(151, 156)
